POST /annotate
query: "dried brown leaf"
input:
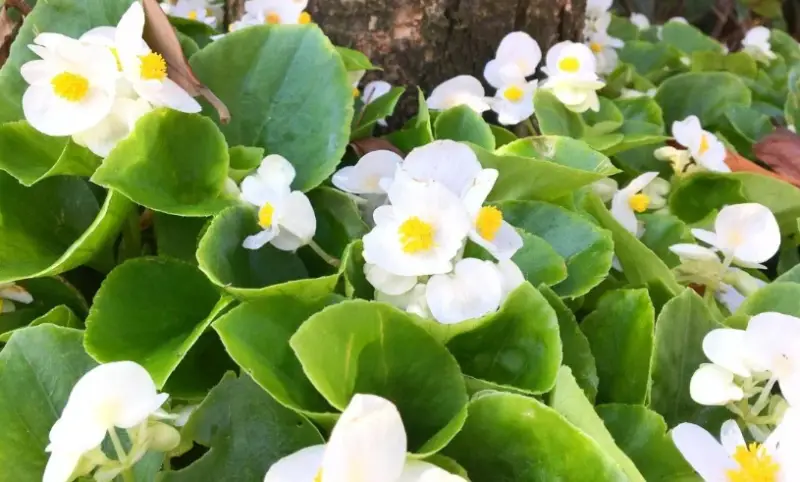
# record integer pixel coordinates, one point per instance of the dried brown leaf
(781, 151)
(369, 144)
(160, 36)
(8, 32)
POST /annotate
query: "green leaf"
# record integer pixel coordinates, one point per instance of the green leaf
(638, 160)
(201, 368)
(680, 328)
(622, 28)
(356, 284)
(688, 39)
(257, 333)
(354, 60)
(375, 110)
(620, 332)
(609, 114)
(739, 63)
(554, 117)
(781, 297)
(69, 17)
(58, 316)
(641, 266)
(784, 45)
(241, 271)
(541, 437)
(31, 156)
(782, 198)
(243, 161)
(38, 368)
(366, 347)
(643, 109)
(338, 220)
(649, 59)
(544, 168)
(568, 400)
(697, 195)
(172, 162)
(586, 248)
(519, 346)
(577, 352)
(502, 136)
(177, 236)
(463, 124)
(48, 294)
(54, 226)
(539, 262)
(662, 230)
(418, 132)
(605, 143)
(708, 95)
(151, 311)
(246, 432)
(641, 434)
(749, 123)
(269, 77)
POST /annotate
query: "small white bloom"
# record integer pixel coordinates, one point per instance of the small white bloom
(598, 8)
(9, 293)
(640, 20)
(629, 200)
(365, 177)
(713, 385)
(704, 146)
(756, 44)
(277, 12)
(373, 91)
(388, 283)
(518, 50)
(572, 76)
(604, 46)
(196, 10)
(513, 101)
(286, 216)
(747, 232)
(489, 229)
(461, 90)
(472, 290)
(104, 137)
(72, 86)
(368, 443)
(774, 345)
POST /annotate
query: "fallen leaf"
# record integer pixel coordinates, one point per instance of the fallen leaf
(9, 26)
(160, 36)
(781, 151)
(369, 144)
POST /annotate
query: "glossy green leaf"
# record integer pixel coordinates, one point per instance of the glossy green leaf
(243, 160)
(782, 198)
(461, 123)
(662, 230)
(201, 368)
(688, 39)
(246, 432)
(704, 94)
(699, 194)
(58, 316)
(151, 311)
(554, 118)
(649, 58)
(638, 160)
(38, 368)
(568, 400)
(539, 262)
(375, 110)
(418, 132)
(354, 60)
(339, 221)
(502, 136)
(739, 63)
(356, 284)
(269, 77)
(781, 297)
(546, 447)
(609, 114)
(177, 236)
(172, 162)
(680, 328)
(643, 109)
(366, 347)
(54, 226)
(620, 333)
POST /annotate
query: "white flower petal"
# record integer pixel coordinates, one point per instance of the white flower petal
(703, 452)
(522, 50)
(54, 116)
(448, 162)
(623, 213)
(474, 289)
(297, 217)
(694, 252)
(772, 337)
(726, 348)
(504, 245)
(510, 276)
(61, 465)
(365, 176)
(419, 471)
(302, 465)
(688, 132)
(713, 385)
(374, 90)
(749, 231)
(731, 436)
(276, 170)
(11, 291)
(257, 241)
(640, 182)
(388, 283)
(461, 90)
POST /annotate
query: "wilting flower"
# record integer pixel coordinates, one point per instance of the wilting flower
(368, 443)
(9, 293)
(365, 177)
(756, 44)
(72, 87)
(640, 20)
(489, 229)
(630, 200)
(572, 76)
(461, 90)
(704, 146)
(286, 217)
(748, 233)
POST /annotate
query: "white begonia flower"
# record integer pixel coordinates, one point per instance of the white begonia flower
(510, 276)
(732, 459)
(450, 163)
(197, 10)
(657, 191)
(489, 229)
(276, 12)
(680, 159)
(368, 443)
(72, 86)
(704, 146)
(640, 20)
(365, 177)
(513, 102)
(629, 200)
(635, 94)
(727, 348)
(286, 216)
(420, 232)
(119, 394)
(604, 46)
(373, 91)
(412, 301)
(388, 283)
(461, 90)
(472, 290)
(773, 342)
(756, 44)
(598, 8)
(104, 137)
(572, 76)
(144, 69)
(748, 232)
(9, 293)
(713, 385)
(517, 50)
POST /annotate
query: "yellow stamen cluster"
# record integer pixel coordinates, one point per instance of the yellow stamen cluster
(569, 64)
(703, 144)
(755, 465)
(70, 87)
(514, 93)
(265, 215)
(415, 235)
(596, 47)
(488, 222)
(153, 67)
(639, 202)
(305, 18)
(272, 18)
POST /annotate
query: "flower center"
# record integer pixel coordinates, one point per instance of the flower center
(639, 202)
(703, 145)
(153, 67)
(70, 87)
(569, 64)
(513, 93)
(192, 15)
(265, 215)
(415, 235)
(356, 92)
(304, 18)
(596, 47)
(755, 465)
(272, 18)
(489, 221)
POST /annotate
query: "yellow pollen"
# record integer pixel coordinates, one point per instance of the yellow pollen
(415, 235)
(703, 144)
(304, 18)
(513, 93)
(318, 477)
(489, 221)
(639, 202)
(272, 18)
(596, 47)
(569, 64)
(192, 15)
(70, 87)
(153, 67)
(265, 215)
(755, 465)
(356, 92)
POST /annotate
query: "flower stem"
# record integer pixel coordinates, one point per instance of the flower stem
(763, 399)
(531, 127)
(122, 457)
(335, 262)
